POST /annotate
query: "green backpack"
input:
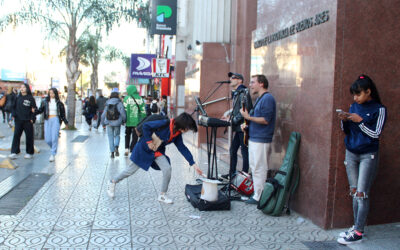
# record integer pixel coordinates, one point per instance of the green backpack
(277, 190)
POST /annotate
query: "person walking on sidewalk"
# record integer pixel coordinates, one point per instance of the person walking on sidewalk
(135, 112)
(54, 115)
(363, 125)
(11, 96)
(23, 119)
(113, 117)
(149, 152)
(90, 110)
(101, 101)
(240, 94)
(261, 130)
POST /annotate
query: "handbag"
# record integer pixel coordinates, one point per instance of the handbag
(3, 101)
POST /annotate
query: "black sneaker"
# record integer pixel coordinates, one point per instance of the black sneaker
(351, 238)
(116, 152)
(112, 155)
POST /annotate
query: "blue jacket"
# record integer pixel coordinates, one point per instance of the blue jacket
(363, 137)
(144, 157)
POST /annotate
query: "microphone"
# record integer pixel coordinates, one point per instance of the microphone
(223, 81)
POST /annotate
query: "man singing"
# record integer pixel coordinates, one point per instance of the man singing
(261, 129)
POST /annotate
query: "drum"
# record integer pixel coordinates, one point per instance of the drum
(242, 183)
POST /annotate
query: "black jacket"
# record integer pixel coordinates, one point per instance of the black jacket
(44, 108)
(22, 108)
(239, 96)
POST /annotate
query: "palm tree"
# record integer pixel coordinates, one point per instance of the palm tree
(69, 21)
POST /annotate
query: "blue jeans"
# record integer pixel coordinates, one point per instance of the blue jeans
(113, 137)
(51, 132)
(361, 171)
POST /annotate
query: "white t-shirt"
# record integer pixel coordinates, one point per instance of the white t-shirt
(52, 107)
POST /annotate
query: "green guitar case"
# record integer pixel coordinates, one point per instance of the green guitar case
(277, 190)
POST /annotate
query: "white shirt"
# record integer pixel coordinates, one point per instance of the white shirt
(52, 107)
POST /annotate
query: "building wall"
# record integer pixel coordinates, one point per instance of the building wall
(310, 71)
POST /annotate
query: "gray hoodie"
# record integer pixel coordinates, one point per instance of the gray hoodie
(121, 110)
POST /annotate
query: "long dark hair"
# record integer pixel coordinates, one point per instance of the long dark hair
(92, 101)
(185, 121)
(55, 91)
(28, 89)
(363, 83)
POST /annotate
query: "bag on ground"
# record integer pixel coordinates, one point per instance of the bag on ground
(277, 190)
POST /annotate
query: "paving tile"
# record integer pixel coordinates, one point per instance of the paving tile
(25, 239)
(110, 238)
(68, 238)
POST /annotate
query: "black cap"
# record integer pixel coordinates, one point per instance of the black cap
(230, 74)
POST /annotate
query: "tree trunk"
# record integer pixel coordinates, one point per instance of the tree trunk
(73, 74)
(94, 77)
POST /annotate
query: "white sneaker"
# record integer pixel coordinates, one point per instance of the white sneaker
(126, 151)
(12, 156)
(28, 156)
(344, 234)
(165, 199)
(52, 158)
(111, 189)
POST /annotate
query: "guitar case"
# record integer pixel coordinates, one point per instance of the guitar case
(277, 190)
(193, 193)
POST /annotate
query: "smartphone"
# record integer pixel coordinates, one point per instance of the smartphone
(339, 110)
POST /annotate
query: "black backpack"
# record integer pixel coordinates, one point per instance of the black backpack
(154, 107)
(112, 112)
(155, 117)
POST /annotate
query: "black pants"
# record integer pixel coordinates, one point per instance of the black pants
(238, 141)
(130, 131)
(27, 127)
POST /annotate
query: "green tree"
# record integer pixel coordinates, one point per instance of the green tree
(68, 21)
(90, 52)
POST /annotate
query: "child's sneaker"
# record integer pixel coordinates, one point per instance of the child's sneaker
(165, 199)
(111, 189)
(344, 234)
(351, 238)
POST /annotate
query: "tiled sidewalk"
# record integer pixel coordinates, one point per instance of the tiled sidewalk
(73, 211)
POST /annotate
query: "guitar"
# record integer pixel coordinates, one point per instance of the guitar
(246, 122)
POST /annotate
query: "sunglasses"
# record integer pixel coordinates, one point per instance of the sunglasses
(235, 77)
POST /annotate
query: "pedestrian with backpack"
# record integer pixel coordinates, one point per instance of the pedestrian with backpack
(150, 151)
(135, 112)
(113, 117)
(363, 125)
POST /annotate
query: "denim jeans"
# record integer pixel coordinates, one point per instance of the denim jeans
(361, 171)
(51, 132)
(113, 137)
